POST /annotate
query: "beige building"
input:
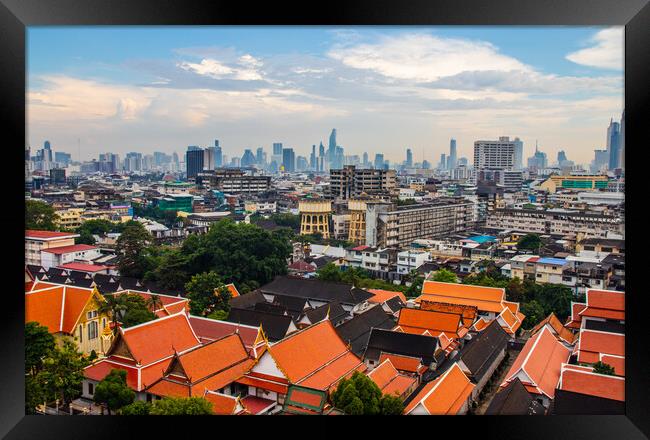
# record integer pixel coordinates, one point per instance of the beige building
(36, 241)
(314, 217)
(357, 231)
(350, 182)
(582, 183)
(70, 218)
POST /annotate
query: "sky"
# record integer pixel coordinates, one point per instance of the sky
(385, 89)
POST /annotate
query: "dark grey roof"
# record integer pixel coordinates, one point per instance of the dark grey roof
(247, 300)
(275, 326)
(514, 400)
(605, 326)
(395, 304)
(322, 261)
(316, 289)
(336, 313)
(481, 352)
(357, 330)
(405, 344)
(604, 242)
(568, 402)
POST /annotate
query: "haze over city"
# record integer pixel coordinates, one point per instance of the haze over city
(384, 89)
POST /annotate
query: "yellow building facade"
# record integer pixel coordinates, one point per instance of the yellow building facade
(315, 216)
(357, 233)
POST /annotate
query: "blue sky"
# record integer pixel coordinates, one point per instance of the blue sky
(383, 88)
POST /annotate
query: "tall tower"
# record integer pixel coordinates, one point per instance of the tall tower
(409, 158)
(331, 148)
(451, 161)
(613, 143)
(621, 160)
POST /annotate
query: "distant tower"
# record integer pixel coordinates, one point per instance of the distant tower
(621, 160)
(613, 143)
(451, 162)
(409, 158)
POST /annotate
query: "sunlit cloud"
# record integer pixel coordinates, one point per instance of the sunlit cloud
(606, 50)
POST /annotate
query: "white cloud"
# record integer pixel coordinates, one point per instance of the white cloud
(423, 57)
(249, 70)
(606, 51)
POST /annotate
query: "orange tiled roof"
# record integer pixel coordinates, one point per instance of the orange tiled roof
(428, 320)
(560, 331)
(233, 290)
(389, 380)
(445, 395)
(222, 404)
(617, 362)
(381, 296)
(487, 306)
(591, 343)
(160, 338)
(606, 299)
(101, 368)
(204, 360)
(593, 384)
(465, 291)
(45, 235)
(401, 362)
(314, 356)
(480, 324)
(468, 312)
(58, 307)
(540, 360)
(575, 319)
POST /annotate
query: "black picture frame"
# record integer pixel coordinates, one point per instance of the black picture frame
(15, 15)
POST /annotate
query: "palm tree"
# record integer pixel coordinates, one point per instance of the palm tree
(115, 306)
(154, 303)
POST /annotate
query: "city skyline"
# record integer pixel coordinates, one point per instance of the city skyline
(384, 89)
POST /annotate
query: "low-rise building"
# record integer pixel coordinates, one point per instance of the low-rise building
(36, 241)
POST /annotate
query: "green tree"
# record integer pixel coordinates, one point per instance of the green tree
(603, 368)
(40, 216)
(445, 276)
(93, 227)
(529, 241)
(534, 313)
(34, 394)
(62, 373)
(219, 315)
(287, 219)
(154, 303)
(329, 272)
(391, 405)
(191, 406)
(131, 246)
(115, 306)
(113, 391)
(359, 388)
(137, 408)
(39, 343)
(207, 294)
(172, 272)
(136, 310)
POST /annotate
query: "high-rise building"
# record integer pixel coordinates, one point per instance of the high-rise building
(365, 160)
(621, 160)
(63, 159)
(312, 158)
(248, 159)
(218, 155)
(409, 158)
(277, 148)
(519, 154)
(209, 158)
(259, 157)
(379, 161)
(443, 162)
(426, 165)
(301, 163)
(494, 155)
(349, 182)
(194, 158)
(613, 144)
(601, 161)
(463, 161)
(538, 160)
(331, 149)
(451, 162)
(288, 160)
(133, 161)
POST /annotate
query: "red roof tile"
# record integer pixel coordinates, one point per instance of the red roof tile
(69, 249)
(45, 235)
(445, 395)
(593, 384)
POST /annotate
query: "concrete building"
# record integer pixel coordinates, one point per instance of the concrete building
(357, 231)
(37, 241)
(350, 182)
(387, 225)
(233, 182)
(590, 182)
(495, 155)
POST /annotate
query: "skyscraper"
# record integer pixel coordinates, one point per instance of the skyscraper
(288, 160)
(613, 143)
(248, 159)
(451, 162)
(443, 162)
(218, 155)
(312, 158)
(519, 154)
(259, 157)
(538, 160)
(409, 158)
(331, 150)
(194, 158)
(601, 161)
(277, 148)
(379, 161)
(621, 160)
(494, 155)
(365, 160)
(209, 159)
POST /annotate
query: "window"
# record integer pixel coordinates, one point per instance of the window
(103, 323)
(91, 389)
(92, 314)
(92, 330)
(81, 333)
